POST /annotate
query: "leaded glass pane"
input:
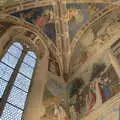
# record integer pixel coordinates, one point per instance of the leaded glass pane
(10, 60)
(32, 54)
(29, 60)
(15, 51)
(3, 85)
(11, 113)
(22, 82)
(18, 45)
(26, 70)
(17, 97)
(5, 71)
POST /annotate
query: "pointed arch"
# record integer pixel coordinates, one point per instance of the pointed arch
(16, 71)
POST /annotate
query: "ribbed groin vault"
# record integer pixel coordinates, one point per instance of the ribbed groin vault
(59, 60)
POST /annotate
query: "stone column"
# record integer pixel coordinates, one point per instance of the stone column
(114, 61)
(34, 105)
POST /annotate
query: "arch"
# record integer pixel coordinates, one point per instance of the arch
(18, 33)
(96, 56)
(24, 28)
(107, 11)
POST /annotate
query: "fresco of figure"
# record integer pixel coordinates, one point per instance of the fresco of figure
(106, 90)
(73, 114)
(56, 112)
(79, 106)
(94, 96)
(74, 17)
(46, 17)
(92, 8)
(62, 113)
(90, 98)
(98, 92)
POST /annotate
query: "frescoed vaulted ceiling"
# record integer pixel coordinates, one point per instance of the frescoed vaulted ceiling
(74, 30)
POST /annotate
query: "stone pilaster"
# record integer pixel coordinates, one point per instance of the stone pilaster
(34, 106)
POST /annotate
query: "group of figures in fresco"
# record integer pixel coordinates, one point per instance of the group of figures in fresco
(103, 85)
(55, 112)
(99, 90)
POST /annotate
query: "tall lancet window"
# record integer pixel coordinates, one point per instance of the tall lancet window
(16, 71)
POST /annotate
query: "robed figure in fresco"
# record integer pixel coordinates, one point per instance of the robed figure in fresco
(94, 96)
(45, 18)
(46, 22)
(90, 98)
(106, 91)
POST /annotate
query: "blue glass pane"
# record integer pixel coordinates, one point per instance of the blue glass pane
(26, 70)
(11, 113)
(29, 60)
(18, 45)
(3, 85)
(5, 71)
(17, 97)
(15, 51)
(32, 54)
(22, 82)
(10, 60)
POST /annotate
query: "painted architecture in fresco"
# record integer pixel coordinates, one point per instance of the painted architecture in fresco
(42, 17)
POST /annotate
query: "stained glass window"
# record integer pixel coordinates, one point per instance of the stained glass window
(5, 71)
(17, 97)
(15, 51)
(29, 60)
(32, 54)
(7, 65)
(3, 85)
(20, 83)
(10, 60)
(26, 70)
(11, 113)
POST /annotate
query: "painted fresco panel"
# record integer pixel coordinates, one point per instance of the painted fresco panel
(54, 112)
(103, 85)
(79, 13)
(42, 17)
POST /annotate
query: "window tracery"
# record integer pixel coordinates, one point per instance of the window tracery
(16, 71)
